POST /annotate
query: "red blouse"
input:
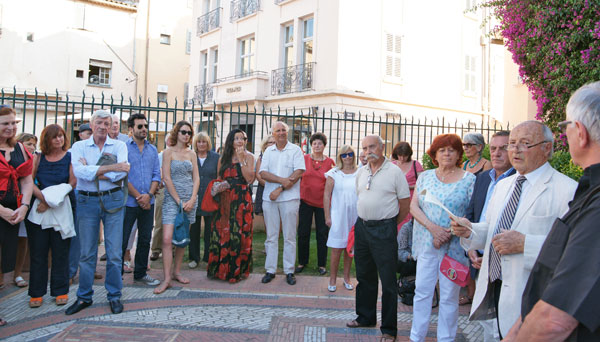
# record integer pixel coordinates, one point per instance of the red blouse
(312, 185)
(9, 176)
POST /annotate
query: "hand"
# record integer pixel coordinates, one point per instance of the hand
(459, 227)
(189, 205)
(275, 193)
(42, 206)
(508, 242)
(440, 236)
(475, 259)
(287, 183)
(18, 215)
(6, 214)
(82, 161)
(241, 154)
(328, 222)
(143, 201)
(121, 167)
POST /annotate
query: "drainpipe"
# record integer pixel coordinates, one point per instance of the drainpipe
(147, 50)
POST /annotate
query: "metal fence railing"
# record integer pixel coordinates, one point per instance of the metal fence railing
(36, 110)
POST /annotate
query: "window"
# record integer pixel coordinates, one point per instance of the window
(288, 45)
(188, 42)
(165, 39)
(247, 55)
(30, 36)
(161, 97)
(307, 41)
(469, 4)
(393, 53)
(215, 62)
(79, 73)
(186, 93)
(204, 61)
(99, 72)
(470, 74)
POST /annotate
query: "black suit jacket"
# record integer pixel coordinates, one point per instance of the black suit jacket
(477, 202)
(207, 172)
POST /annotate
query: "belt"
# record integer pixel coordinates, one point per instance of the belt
(98, 193)
(372, 223)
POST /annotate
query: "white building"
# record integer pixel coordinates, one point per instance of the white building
(387, 57)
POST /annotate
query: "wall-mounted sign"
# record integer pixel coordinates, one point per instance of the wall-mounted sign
(233, 90)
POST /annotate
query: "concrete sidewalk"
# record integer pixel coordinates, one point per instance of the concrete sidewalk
(207, 310)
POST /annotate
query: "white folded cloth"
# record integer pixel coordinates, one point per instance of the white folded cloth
(60, 215)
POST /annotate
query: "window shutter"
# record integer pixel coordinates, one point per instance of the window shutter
(388, 65)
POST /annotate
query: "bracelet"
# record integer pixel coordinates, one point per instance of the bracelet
(27, 204)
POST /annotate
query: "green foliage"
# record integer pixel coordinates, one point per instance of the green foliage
(561, 161)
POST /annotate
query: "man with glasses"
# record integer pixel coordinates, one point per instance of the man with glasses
(518, 218)
(383, 202)
(560, 301)
(144, 178)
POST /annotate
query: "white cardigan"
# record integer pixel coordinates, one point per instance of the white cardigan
(60, 215)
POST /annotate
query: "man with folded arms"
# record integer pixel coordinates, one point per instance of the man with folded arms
(95, 203)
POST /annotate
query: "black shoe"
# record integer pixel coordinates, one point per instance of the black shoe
(290, 279)
(103, 257)
(299, 269)
(322, 271)
(267, 278)
(115, 306)
(77, 306)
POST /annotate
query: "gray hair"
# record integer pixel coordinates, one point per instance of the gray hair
(287, 128)
(474, 138)
(546, 132)
(584, 106)
(101, 114)
(375, 136)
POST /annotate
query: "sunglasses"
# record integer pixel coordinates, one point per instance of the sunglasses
(468, 145)
(140, 126)
(369, 180)
(186, 132)
(347, 155)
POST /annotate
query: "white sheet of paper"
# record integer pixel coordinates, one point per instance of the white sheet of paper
(430, 198)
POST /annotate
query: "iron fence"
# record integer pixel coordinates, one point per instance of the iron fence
(36, 110)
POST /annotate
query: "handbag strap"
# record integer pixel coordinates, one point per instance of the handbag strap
(415, 169)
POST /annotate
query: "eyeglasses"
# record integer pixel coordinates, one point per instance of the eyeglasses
(498, 148)
(369, 179)
(468, 145)
(186, 132)
(140, 126)
(562, 126)
(347, 155)
(523, 147)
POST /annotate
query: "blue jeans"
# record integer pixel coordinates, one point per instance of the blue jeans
(145, 221)
(74, 250)
(89, 214)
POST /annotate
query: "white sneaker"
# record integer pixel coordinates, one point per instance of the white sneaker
(148, 280)
(193, 264)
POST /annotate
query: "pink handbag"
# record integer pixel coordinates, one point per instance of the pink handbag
(455, 271)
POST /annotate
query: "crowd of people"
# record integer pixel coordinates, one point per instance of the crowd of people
(513, 230)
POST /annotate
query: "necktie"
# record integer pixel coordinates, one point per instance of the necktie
(508, 215)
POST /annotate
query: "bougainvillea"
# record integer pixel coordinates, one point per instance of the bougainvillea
(555, 43)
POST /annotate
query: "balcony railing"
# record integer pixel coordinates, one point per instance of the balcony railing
(209, 21)
(203, 93)
(244, 75)
(243, 8)
(292, 79)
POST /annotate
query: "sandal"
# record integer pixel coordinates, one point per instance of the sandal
(62, 299)
(464, 300)
(3, 322)
(35, 302)
(348, 286)
(20, 282)
(180, 279)
(356, 324)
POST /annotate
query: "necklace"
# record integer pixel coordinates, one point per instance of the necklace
(443, 177)
(473, 165)
(316, 164)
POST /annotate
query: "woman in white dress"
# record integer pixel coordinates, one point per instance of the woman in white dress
(339, 202)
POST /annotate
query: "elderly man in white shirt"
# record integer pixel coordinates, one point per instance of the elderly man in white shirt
(281, 168)
(105, 202)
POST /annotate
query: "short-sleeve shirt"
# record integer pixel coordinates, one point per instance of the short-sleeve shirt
(388, 185)
(282, 163)
(312, 185)
(566, 274)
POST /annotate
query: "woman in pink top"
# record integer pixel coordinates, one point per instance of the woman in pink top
(402, 157)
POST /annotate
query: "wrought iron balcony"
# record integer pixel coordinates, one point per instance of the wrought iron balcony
(209, 21)
(203, 93)
(292, 79)
(243, 8)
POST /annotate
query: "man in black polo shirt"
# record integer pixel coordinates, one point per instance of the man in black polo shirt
(562, 298)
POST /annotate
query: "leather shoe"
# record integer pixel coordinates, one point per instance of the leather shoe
(290, 279)
(299, 269)
(154, 256)
(115, 306)
(267, 278)
(387, 338)
(77, 306)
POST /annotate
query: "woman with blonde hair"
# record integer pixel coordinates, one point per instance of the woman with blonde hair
(339, 202)
(208, 161)
(179, 170)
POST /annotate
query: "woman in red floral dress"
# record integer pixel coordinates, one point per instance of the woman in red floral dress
(230, 250)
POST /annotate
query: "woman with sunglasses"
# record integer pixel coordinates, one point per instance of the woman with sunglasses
(179, 171)
(230, 249)
(473, 144)
(312, 187)
(339, 202)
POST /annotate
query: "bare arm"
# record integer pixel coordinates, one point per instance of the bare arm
(545, 323)
(404, 209)
(440, 235)
(261, 181)
(189, 205)
(247, 166)
(36, 191)
(329, 184)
